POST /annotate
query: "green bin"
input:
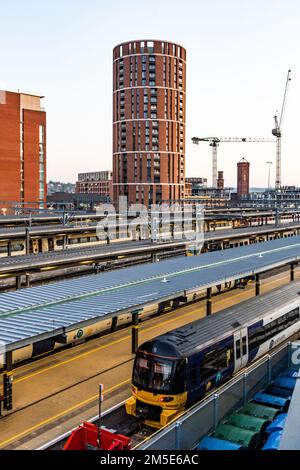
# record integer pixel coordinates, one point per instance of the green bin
(248, 422)
(243, 437)
(259, 411)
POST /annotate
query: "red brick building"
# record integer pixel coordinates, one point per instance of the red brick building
(243, 171)
(96, 182)
(22, 151)
(149, 83)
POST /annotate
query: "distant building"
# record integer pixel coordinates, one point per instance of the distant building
(194, 185)
(96, 182)
(22, 151)
(58, 187)
(188, 188)
(284, 197)
(243, 171)
(75, 201)
(149, 83)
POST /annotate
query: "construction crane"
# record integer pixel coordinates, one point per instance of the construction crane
(277, 132)
(214, 143)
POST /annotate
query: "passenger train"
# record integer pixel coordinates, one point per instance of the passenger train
(48, 243)
(176, 370)
(108, 325)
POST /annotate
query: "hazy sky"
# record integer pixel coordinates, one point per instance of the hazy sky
(238, 54)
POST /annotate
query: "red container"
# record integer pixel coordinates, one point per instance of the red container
(85, 437)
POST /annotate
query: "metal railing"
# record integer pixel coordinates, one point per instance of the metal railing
(186, 432)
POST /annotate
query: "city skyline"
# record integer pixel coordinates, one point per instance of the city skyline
(233, 87)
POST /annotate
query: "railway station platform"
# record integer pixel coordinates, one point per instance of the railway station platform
(57, 392)
(49, 313)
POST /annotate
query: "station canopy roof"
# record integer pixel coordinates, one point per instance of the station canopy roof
(41, 312)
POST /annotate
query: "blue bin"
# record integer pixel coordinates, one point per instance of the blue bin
(285, 382)
(212, 443)
(271, 400)
(273, 441)
(277, 424)
(290, 373)
(278, 391)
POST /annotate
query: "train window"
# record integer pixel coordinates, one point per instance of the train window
(282, 319)
(264, 333)
(17, 248)
(214, 361)
(72, 241)
(155, 375)
(244, 345)
(293, 316)
(238, 349)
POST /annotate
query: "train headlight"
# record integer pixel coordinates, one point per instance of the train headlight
(166, 399)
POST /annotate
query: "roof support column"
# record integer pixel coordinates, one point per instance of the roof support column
(257, 284)
(292, 272)
(65, 241)
(18, 282)
(27, 242)
(7, 380)
(135, 331)
(208, 301)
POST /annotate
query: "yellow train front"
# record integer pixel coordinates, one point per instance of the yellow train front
(159, 391)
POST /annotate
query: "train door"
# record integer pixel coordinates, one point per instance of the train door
(50, 244)
(240, 348)
(45, 246)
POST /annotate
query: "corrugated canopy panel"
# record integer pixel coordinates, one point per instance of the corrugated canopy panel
(32, 314)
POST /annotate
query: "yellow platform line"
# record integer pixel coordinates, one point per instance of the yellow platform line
(62, 413)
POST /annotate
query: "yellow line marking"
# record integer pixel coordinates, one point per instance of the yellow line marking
(67, 361)
(142, 331)
(62, 413)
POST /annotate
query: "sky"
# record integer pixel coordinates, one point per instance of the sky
(238, 55)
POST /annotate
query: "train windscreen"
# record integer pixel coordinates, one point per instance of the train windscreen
(158, 375)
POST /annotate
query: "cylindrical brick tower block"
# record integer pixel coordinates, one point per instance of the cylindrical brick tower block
(243, 170)
(149, 83)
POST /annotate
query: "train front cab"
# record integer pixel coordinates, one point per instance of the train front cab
(159, 391)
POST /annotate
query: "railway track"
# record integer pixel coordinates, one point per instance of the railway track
(115, 418)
